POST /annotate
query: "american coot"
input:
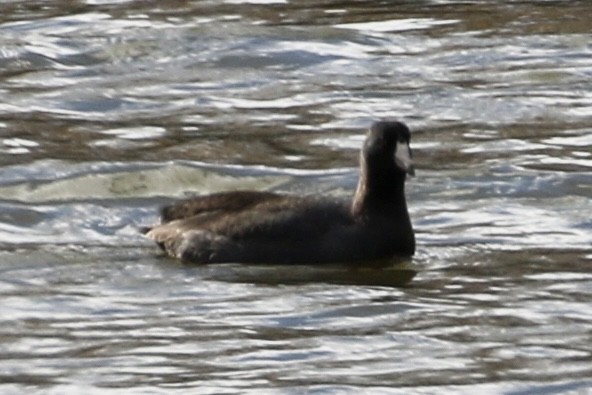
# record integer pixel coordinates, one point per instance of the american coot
(265, 227)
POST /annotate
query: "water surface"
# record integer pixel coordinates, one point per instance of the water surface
(109, 109)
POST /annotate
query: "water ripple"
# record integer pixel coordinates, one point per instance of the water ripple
(109, 109)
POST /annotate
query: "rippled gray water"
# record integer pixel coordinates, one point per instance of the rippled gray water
(109, 109)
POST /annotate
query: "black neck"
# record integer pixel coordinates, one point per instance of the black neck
(382, 190)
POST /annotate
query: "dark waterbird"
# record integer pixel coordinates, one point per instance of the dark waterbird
(266, 227)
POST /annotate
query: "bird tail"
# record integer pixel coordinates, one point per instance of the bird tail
(145, 229)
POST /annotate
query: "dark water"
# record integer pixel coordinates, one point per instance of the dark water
(110, 108)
